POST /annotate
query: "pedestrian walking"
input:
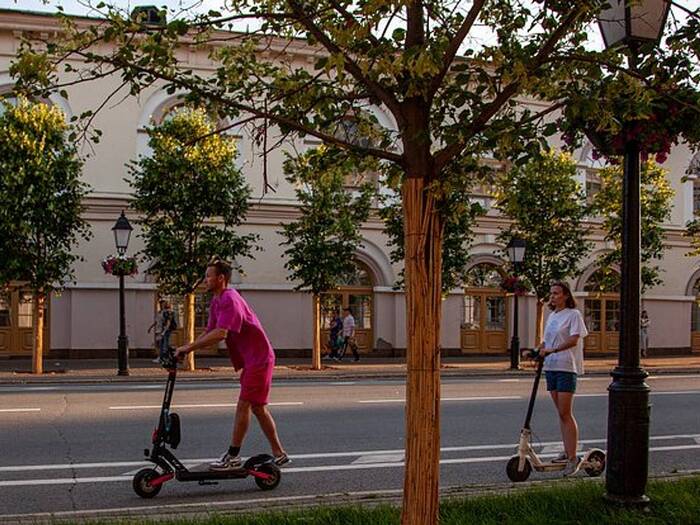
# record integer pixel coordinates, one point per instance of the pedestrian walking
(169, 326)
(157, 327)
(335, 339)
(562, 350)
(349, 336)
(644, 323)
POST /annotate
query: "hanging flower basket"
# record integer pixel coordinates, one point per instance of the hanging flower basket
(120, 265)
(514, 285)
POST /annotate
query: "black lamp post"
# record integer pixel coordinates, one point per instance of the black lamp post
(516, 254)
(630, 23)
(122, 233)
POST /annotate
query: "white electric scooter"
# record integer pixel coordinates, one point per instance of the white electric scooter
(520, 466)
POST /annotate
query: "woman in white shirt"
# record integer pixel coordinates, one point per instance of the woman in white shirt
(562, 349)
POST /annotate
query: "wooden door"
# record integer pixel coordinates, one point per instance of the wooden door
(485, 322)
(602, 317)
(695, 326)
(16, 323)
(360, 301)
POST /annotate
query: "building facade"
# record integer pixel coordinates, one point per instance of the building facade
(477, 317)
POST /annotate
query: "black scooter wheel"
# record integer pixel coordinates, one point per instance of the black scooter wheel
(516, 475)
(596, 460)
(142, 485)
(275, 474)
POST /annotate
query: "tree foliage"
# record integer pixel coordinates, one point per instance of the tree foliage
(547, 209)
(192, 198)
(656, 203)
(461, 213)
(321, 243)
(41, 196)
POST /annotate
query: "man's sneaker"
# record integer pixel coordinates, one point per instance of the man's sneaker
(282, 459)
(572, 467)
(227, 462)
(561, 458)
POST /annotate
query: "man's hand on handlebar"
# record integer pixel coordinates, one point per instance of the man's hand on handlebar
(181, 352)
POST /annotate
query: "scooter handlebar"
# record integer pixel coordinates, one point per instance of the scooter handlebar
(169, 362)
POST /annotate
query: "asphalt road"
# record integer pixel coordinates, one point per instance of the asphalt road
(67, 448)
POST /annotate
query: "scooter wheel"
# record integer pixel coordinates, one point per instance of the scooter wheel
(142, 483)
(516, 475)
(275, 476)
(596, 462)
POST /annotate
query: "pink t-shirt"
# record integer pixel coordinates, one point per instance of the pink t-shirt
(247, 343)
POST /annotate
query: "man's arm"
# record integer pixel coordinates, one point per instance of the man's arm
(210, 338)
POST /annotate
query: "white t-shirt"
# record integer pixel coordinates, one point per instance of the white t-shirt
(560, 326)
(348, 326)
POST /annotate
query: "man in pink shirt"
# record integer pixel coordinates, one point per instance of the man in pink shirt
(232, 320)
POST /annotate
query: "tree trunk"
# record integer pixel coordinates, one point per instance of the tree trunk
(423, 231)
(189, 329)
(316, 350)
(539, 327)
(38, 300)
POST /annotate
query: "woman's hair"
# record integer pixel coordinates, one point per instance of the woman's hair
(570, 301)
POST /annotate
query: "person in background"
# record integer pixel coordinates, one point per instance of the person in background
(157, 328)
(335, 339)
(644, 333)
(349, 335)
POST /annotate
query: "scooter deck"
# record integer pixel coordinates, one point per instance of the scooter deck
(210, 475)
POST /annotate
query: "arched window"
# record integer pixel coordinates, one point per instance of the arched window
(603, 281)
(483, 275)
(361, 277)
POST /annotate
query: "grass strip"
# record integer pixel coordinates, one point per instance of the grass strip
(674, 501)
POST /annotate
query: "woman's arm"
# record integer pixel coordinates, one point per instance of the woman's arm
(569, 342)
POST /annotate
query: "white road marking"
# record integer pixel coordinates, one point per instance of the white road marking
(653, 393)
(13, 410)
(379, 458)
(319, 468)
(470, 398)
(204, 405)
(328, 455)
(509, 380)
(341, 383)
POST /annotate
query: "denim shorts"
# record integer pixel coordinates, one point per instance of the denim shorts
(560, 381)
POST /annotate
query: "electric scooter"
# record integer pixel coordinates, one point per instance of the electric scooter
(148, 482)
(520, 466)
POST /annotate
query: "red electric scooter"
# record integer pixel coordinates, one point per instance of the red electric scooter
(149, 481)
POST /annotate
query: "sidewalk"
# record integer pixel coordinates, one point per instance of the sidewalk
(16, 371)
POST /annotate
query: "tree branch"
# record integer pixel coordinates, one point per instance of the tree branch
(444, 156)
(455, 44)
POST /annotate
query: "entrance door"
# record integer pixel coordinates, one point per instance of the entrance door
(484, 322)
(16, 319)
(360, 303)
(695, 320)
(602, 317)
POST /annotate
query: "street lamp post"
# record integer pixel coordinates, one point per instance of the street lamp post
(516, 254)
(630, 23)
(122, 233)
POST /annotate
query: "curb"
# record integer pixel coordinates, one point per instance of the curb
(208, 510)
(301, 377)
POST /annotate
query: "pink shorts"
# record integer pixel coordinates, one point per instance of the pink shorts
(256, 384)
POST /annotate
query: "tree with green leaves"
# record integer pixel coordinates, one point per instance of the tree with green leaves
(461, 212)
(322, 242)
(656, 203)
(41, 206)
(192, 199)
(547, 208)
(307, 65)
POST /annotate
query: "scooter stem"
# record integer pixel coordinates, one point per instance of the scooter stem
(533, 395)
